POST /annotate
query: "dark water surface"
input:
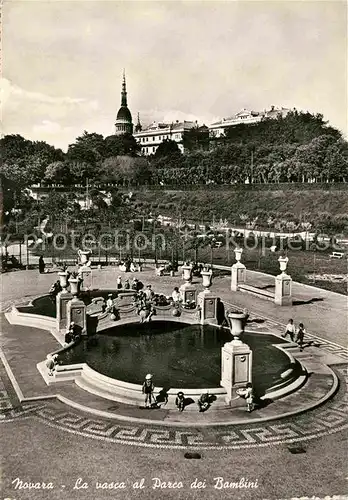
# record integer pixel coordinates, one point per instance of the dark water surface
(177, 354)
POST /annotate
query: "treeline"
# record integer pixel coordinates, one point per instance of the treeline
(297, 148)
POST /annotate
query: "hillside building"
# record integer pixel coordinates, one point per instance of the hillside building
(218, 129)
(151, 137)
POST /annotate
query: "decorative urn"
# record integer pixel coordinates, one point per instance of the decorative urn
(207, 276)
(236, 322)
(187, 272)
(63, 279)
(74, 286)
(283, 262)
(238, 253)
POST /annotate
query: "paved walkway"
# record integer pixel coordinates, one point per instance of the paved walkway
(324, 313)
(299, 456)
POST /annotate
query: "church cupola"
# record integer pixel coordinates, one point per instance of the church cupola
(124, 123)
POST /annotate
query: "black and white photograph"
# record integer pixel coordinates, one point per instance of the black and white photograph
(174, 245)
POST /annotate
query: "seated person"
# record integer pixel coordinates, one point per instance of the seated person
(160, 270)
(203, 402)
(149, 293)
(180, 401)
(74, 331)
(161, 399)
(176, 295)
(134, 284)
(123, 267)
(161, 300)
(55, 289)
(132, 267)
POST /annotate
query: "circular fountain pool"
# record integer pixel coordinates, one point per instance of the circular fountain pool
(179, 355)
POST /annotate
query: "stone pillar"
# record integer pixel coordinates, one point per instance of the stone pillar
(236, 361)
(62, 300)
(188, 292)
(283, 282)
(238, 271)
(207, 301)
(76, 308)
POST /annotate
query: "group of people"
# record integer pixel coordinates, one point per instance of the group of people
(144, 302)
(135, 285)
(203, 402)
(295, 334)
(129, 266)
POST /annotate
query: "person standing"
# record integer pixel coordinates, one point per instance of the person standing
(248, 394)
(41, 265)
(300, 335)
(290, 330)
(109, 304)
(147, 389)
(119, 283)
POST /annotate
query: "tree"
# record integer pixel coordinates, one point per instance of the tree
(58, 172)
(126, 170)
(167, 148)
(118, 145)
(87, 148)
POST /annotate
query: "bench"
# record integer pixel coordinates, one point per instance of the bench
(336, 255)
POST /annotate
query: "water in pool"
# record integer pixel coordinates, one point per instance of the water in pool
(177, 354)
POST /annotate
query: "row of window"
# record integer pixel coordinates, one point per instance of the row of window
(161, 138)
(149, 150)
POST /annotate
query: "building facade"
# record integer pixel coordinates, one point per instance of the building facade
(245, 116)
(150, 138)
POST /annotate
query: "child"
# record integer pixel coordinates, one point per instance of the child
(290, 330)
(51, 363)
(176, 295)
(203, 402)
(109, 303)
(300, 335)
(148, 388)
(180, 401)
(248, 394)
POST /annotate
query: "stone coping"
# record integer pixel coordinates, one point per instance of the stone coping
(217, 418)
(20, 318)
(117, 390)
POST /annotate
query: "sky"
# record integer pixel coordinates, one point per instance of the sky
(203, 60)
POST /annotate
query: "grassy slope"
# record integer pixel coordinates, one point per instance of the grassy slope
(230, 202)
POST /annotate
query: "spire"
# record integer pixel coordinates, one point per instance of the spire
(138, 127)
(124, 91)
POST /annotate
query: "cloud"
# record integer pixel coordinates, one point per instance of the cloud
(148, 116)
(11, 92)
